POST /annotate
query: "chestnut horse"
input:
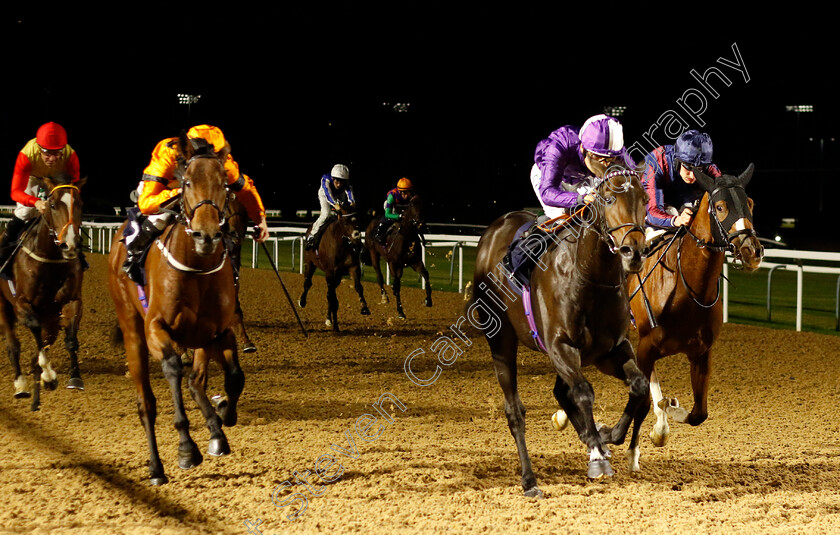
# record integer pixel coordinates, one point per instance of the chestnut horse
(403, 247)
(337, 255)
(190, 303)
(579, 316)
(682, 286)
(46, 289)
(237, 220)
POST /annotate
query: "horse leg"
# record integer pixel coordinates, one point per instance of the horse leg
(421, 269)
(188, 454)
(380, 280)
(197, 382)
(137, 357)
(234, 379)
(7, 323)
(332, 302)
(42, 370)
(503, 347)
(72, 310)
(355, 272)
(700, 370)
(397, 273)
(308, 271)
(621, 364)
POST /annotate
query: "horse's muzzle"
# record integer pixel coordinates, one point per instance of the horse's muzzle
(205, 242)
(68, 251)
(632, 258)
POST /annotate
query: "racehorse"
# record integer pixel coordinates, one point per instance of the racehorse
(682, 287)
(403, 247)
(46, 292)
(237, 220)
(190, 302)
(575, 310)
(337, 255)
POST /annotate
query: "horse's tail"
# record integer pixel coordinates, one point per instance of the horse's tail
(117, 339)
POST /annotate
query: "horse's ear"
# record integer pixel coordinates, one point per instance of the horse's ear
(705, 181)
(44, 182)
(745, 177)
(184, 145)
(81, 182)
(223, 154)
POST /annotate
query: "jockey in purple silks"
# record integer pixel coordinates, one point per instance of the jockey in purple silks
(670, 182)
(566, 162)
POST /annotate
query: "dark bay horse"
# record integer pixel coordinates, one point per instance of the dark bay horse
(682, 286)
(237, 220)
(46, 289)
(579, 311)
(403, 247)
(337, 255)
(190, 303)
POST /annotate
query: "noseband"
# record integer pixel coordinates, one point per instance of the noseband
(604, 231)
(188, 212)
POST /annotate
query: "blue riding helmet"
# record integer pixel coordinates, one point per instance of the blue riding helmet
(694, 148)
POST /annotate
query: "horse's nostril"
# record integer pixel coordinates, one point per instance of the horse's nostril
(625, 250)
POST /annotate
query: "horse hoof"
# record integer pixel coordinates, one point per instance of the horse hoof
(534, 492)
(250, 348)
(218, 447)
(76, 383)
(427, 302)
(49, 385)
(599, 468)
(219, 402)
(162, 480)
(23, 394)
(328, 323)
(659, 439)
(365, 311)
(190, 459)
(302, 304)
(560, 420)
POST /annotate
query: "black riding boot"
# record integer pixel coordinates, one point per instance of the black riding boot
(8, 243)
(382, 231)
(138, 246)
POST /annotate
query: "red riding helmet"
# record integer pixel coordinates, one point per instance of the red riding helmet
(51, 136)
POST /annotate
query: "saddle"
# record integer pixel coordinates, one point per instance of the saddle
(531, 241)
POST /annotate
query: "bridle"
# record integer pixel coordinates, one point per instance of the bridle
(186, 211)
(58, 235)
(605, 231)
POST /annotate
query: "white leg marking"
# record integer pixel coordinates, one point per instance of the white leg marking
(48, 375)
(632, 456)
(659, 434)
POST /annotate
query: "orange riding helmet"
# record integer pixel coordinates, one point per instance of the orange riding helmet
(404, 184)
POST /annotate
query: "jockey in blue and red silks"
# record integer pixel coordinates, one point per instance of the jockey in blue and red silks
(566, 162)
(670, 182)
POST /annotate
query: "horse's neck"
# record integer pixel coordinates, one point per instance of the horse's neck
(595, 261)
(699, 264)
(39, 239)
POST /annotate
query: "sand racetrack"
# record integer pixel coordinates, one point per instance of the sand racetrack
(766, 461)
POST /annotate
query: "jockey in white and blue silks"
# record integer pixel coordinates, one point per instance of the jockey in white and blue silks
(335, 188)
(669, 179)
(566, 162)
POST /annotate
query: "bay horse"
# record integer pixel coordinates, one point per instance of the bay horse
(682, 285)
(46, 289)
(575, 310)
(190, 302)
(403, 247)
(337, 255)
(237, 220)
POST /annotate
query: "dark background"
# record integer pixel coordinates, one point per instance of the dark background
(296, 90)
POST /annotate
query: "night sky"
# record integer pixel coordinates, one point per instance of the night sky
(297, 90)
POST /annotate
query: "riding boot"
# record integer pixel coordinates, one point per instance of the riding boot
(8, 243)
(134, 251)
(382, 232)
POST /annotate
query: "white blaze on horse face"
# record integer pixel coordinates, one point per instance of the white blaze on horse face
(70, 233)
(741, 224)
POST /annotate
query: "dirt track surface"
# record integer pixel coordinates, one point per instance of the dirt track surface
(766, 461)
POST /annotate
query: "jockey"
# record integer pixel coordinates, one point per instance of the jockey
(159, 184)
(396, 202)
(47, 155)
(335, 187)
(566, 162)
(670, 182)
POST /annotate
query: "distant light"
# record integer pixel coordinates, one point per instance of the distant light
(399, 107)
(184, 98)
(800, 108)
(778, 238)
(615, 111)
